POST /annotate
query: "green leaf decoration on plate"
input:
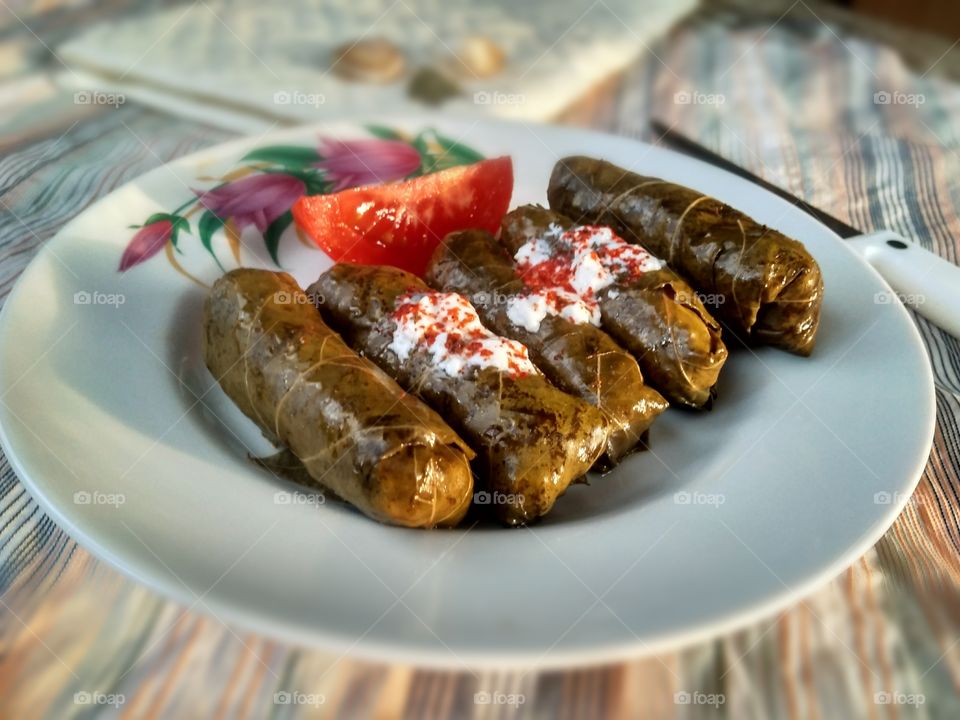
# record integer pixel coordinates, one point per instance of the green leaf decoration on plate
(441, 153)
(456, 153)
(288, 156)
(271, 238)
(208, 226)
(385, 133)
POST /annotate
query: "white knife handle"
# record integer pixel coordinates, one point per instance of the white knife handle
(924, 281)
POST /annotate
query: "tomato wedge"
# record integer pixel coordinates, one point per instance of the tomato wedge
(401, 224)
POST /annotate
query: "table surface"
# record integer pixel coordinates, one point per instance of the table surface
(794, 101)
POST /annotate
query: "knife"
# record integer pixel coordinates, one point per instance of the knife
(918, 278)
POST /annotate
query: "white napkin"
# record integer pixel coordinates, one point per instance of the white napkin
(247, 64)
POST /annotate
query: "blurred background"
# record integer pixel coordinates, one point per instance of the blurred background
(246, 65)
(853, 106)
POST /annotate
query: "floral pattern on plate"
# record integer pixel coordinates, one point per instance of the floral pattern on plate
(269, 180)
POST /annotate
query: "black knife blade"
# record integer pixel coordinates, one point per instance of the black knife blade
(689, 147)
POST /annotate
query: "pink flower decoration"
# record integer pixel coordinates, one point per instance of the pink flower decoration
(148, 241)
(352, 163)
(254, 200)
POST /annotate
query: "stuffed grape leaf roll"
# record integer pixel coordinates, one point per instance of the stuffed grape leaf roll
(576, 356)
(353, 429)
(646, 307)
(765, 287)
(532, 439)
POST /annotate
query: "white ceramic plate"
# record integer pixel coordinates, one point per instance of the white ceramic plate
(115, 426)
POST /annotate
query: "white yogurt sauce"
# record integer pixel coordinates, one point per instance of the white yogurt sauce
(447, 326)
(566, 270)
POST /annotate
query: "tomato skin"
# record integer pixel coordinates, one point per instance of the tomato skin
(402, 223)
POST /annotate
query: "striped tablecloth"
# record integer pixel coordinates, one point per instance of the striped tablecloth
(834, 119)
